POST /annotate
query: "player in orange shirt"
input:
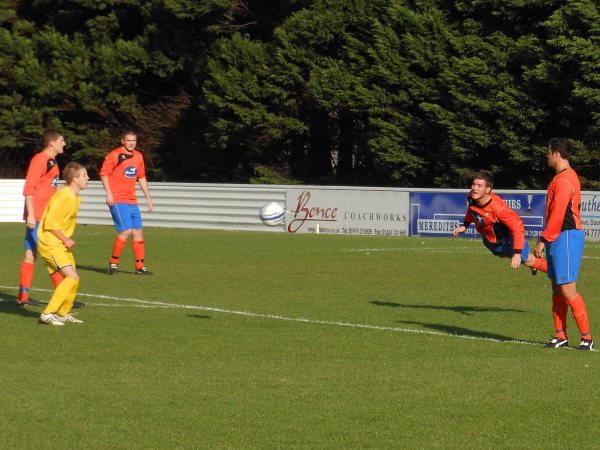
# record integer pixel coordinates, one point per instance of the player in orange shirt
(122, 168)
(41, 182)
(564, 242)
(501, 228)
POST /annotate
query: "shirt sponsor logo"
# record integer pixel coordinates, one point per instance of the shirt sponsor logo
(130, 172)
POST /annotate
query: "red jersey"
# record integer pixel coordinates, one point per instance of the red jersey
(41, 181)
(563, 203)
(123, 169)
(495, 221)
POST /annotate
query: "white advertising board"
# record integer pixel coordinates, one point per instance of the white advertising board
(347, 211)
(590, 216)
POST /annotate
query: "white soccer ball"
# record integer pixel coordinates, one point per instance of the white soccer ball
(272, 214)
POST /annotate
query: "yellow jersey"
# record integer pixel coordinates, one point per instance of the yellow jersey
(60, 214)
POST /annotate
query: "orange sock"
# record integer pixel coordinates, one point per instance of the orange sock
(138, 253)
(559, 314)
(56, 278)
(541, 264)
(117, 249)
(26, 275)
(580, 314)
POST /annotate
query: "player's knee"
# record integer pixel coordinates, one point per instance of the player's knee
(30, 256)
(124, 235)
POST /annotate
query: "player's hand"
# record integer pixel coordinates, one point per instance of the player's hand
(110, 200)
(149, 206)
(538, 249)
(459, 230)
(515, 261)
(70, 243)
(30, 222)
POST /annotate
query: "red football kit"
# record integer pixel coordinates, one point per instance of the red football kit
(123, 169)
(562, 205)
(495, 221)
(41, 182)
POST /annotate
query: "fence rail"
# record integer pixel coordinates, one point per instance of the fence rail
(176, 205)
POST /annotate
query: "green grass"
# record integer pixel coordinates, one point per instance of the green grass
(278, 341)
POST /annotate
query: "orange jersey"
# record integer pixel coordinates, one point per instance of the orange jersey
(563, 204)
(41, 182)
(495, 221)
(123, 169)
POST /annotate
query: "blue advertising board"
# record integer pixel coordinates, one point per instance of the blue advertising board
(438, 213)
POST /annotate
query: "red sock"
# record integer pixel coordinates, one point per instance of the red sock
(26, 275)
(138, 253)
(580, 314)
(56, 278)
(117, 249)
(541, 264)
(559, 314)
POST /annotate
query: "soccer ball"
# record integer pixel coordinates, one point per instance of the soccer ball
(272, 214)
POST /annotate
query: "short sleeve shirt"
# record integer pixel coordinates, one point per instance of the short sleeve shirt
(41, 182)
(123, 170)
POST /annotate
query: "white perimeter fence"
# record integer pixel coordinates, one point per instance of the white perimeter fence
(325, 209)
(176, 205)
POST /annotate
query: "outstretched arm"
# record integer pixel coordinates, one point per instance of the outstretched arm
(459, 230)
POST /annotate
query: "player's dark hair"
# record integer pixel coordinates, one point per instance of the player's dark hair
(50, 135)
(489, 181)
(560, 145)
(127, 133)
(71, 170)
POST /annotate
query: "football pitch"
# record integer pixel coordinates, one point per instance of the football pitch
(246, 340)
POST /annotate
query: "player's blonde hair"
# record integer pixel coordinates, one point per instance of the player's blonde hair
(71, 170)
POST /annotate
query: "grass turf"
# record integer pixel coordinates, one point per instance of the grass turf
(262, 340)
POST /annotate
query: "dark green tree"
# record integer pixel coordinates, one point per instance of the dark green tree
(93, 68)
(386, 92)
(566, 81)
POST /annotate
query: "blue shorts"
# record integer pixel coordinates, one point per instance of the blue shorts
(31, 238)
(126, 216)
(564, 256)
(505, 248)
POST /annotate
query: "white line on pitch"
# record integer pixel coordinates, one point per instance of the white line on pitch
(428, 249)
(138, 303)
(408, 249)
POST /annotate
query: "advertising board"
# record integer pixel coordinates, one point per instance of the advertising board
(439, 213)
(354, 212)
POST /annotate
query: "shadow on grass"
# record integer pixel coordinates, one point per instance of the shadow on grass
(459, 331)
(466, 310)
(92, 269)
(102, 270)
(8, 305)
(198, 316)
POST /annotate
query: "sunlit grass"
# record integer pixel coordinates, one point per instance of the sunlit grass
(263, 340)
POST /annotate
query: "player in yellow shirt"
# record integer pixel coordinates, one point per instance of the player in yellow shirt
(55, 244)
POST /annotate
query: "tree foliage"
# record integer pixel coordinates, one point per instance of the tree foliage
(377, 92)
